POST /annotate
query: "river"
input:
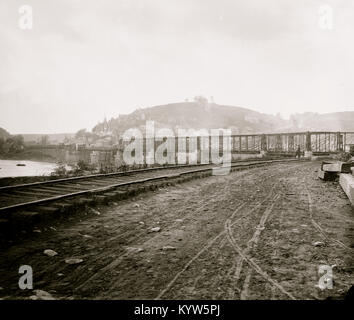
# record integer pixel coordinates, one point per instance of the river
(9, 168)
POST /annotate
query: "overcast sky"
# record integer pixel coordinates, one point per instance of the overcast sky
(86, 59)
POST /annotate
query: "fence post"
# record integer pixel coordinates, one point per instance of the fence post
(264, 143)
(339, 141)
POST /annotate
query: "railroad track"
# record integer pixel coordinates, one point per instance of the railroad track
(30, 201)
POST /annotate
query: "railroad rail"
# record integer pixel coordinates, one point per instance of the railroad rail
(22, 206)
(24, 195)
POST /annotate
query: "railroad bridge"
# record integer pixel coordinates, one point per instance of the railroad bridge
(243, 146)
(317, 142)
(257, 145)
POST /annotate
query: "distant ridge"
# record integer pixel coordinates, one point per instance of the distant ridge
(201, 114)
(53, 138)
(195, 115)
(335, 121)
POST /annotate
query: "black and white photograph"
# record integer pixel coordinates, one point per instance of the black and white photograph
(176, 150)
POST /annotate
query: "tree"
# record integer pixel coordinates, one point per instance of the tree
(200, 99)
(4, 134)
(2, 144)
(81, 134)
(66, 139)
(15, 144)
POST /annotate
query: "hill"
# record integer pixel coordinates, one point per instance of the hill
(196, 115)
(336, 121)
(52, 138)
(201, 114)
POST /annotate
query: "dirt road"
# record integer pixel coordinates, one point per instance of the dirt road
(257, 234)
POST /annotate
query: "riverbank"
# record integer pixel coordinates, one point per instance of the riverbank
(31, 155)
(14, 172)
